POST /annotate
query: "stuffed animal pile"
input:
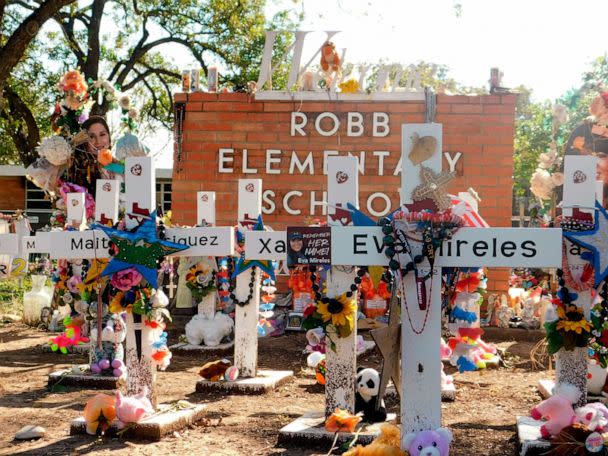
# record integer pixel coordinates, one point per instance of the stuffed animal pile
(558, 412)
(209, 331)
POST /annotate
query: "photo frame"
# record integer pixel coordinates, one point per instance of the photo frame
(294, 321)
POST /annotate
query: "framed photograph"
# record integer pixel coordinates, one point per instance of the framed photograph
(308, 245)
(294, 321)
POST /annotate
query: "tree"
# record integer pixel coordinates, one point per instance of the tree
(127, 43)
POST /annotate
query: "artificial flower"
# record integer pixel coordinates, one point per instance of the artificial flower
(126, 279)
(162, 358)
(99, 413)
(116, 303)
(104, 157)
(339, 311)
(124, 101)
(73, 284)
(342, 421)
(133, 114)
(350, 86)
(541, 183)
(73, 81)
(55, 149)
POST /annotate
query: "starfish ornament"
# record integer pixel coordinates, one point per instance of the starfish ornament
(595, 240)
(140, 250)
(265, 265)
(434, 186)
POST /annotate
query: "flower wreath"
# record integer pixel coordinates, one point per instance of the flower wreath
(200, 279)
(571, 329)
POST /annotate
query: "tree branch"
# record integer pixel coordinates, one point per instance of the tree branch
(91, 66)
(19, 115)
(14, 48)
(149, 71)
(66, 22)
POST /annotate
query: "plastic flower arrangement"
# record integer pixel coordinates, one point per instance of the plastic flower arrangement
(349, 86)
(338, 312)
(200, 280)
(571, 329)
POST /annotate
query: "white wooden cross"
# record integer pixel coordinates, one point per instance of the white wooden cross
(140, 202)
(420, 353)
(572, 365)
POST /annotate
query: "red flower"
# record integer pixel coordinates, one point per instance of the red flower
(309, 311)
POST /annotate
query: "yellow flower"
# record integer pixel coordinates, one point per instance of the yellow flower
(116, 303)
(350, 86)
(340, 311)
(576, 326)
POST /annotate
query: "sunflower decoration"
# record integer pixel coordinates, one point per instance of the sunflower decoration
(200, 279)
(338, 312)
(571, 329)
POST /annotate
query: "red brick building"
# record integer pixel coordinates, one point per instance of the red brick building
(231, 136)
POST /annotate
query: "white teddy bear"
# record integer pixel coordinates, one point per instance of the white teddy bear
(209, 331)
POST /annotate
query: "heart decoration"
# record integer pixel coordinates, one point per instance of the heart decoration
(341, 177)
(579, 177)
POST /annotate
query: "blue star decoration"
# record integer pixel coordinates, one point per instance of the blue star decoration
(265, 265)
(595, 240)
(139, 250)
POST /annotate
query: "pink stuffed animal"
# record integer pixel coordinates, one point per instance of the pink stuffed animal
(132, 409)
(594, 416)
(429, 443)
(557, 410)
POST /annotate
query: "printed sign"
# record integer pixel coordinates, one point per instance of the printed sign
(208, 241)
(492, 247)
(308, 245)
(266, 245)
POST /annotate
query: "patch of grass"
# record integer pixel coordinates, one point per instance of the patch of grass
(11, 294)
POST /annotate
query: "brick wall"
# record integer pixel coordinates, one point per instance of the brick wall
(12, 193)
(481, 128)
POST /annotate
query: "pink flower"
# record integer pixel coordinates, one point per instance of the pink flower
(73, 283)
(126, 279)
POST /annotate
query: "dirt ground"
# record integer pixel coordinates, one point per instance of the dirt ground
(482, 418)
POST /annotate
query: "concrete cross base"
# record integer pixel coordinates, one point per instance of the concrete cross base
(82, 349)
(84, 379)
(545, 388)
(529, 441)
(264, 382)
(166, 421)
(308, 431)
(220, 349)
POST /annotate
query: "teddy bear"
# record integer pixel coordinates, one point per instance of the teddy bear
(386, 444)
(429, 443)
(132, 409)
(209, 331)
(557, 410)
(367, 385)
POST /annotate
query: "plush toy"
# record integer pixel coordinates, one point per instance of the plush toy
(557, 410)
(209, 331)
(132, 409)
(386, 444)
(429, 443)
(330, 60)
(597, 378)
(366, 391)
(214, 370)
(99, 413)
(593, 415)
